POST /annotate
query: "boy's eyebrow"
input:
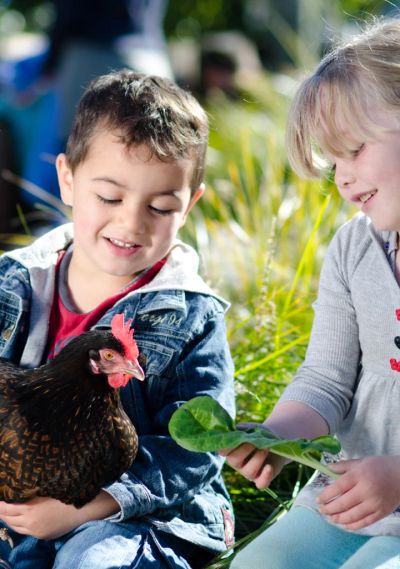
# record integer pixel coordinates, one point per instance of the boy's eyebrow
(109, 180)
(174, 193)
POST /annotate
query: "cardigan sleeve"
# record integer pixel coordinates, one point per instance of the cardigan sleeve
(327, 378)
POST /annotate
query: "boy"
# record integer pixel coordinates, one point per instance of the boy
(132, 171)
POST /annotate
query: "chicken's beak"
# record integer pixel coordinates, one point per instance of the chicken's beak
(133, 369)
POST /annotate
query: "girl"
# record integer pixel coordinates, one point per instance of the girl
(346, 115)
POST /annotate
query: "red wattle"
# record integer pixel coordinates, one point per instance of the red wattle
(117, 380)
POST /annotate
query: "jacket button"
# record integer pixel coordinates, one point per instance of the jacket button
(6, 334)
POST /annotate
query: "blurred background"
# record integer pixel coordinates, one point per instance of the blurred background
(261, 232)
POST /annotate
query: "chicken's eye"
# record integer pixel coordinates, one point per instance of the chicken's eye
(108, 356)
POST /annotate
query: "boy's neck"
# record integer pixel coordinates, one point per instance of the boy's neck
(87, 291)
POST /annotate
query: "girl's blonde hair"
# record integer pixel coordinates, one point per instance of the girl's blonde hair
(339, 106)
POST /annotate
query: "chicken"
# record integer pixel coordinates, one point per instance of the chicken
(63, 431)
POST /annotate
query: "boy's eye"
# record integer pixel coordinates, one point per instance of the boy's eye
(161, 211)
(107, 201)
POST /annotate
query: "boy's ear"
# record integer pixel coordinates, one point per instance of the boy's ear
(65, 179)
(195, 197)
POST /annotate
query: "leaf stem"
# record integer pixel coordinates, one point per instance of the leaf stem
(308, 462)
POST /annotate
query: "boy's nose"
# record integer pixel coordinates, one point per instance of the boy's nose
(137, 225)
(344, 173)
(134, 221)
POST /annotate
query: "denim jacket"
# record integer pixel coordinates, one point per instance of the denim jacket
(179, 328)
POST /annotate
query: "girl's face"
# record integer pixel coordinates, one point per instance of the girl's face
(370, 179)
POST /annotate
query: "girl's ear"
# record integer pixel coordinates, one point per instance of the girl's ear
(65, 179)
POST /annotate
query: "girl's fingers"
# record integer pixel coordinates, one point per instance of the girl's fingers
(336, 489)
(340, 504)
(265, 477)
(254, 464)
(351, 515)
(239, 456)
(248, 460)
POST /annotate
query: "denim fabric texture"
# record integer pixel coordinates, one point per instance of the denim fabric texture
(104, 545)
(168, 491)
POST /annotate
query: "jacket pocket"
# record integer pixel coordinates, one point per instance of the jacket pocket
(155, 359)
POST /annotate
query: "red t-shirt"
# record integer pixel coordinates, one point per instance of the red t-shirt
(66, 324)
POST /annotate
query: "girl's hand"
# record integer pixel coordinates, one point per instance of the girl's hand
(257, 465)
(367, 491)
(46, 518)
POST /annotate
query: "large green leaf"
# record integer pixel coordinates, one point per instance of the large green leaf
(203, 425)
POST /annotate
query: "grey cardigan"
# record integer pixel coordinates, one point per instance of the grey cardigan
(351, 374)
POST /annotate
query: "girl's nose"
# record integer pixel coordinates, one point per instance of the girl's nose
(344, 173)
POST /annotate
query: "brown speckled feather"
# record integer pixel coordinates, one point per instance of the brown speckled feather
(63, 432)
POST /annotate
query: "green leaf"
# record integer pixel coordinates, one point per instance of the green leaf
(203, 425)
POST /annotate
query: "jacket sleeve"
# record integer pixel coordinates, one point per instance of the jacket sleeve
(164, 474)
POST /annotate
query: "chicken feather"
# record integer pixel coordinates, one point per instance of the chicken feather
(63, 431)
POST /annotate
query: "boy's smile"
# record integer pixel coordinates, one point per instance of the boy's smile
(127, 208)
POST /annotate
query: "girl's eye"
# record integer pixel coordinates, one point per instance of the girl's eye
(158, 211)
(107, 201)
(357, 151)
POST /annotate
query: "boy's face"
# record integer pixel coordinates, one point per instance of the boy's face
(127, 208)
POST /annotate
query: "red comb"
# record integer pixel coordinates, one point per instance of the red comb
(124, 334)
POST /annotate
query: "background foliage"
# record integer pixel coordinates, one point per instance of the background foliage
(260, 230)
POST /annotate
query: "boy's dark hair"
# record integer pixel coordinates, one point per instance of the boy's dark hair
(142, 109)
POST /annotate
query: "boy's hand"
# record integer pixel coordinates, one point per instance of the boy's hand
(46, 518)
(367, 491)
(257, 465)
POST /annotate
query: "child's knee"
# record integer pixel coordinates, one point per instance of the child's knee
(263, 553)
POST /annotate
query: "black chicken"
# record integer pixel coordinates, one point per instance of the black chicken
(63, 431)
